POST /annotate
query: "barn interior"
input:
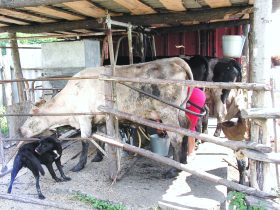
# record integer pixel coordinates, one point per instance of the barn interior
(170, 28)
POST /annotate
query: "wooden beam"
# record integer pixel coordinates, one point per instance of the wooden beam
(29, 3)
(12, 20)
(86, 8)
(220, 3)
(136, 7)
(145, 20)
(45, 10)
(203, 26)
(24, 15)
(264, 113)
(174, 5)
(191, 4)
(261, 62)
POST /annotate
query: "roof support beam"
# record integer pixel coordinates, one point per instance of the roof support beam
(203, 26)
(29, 3)
(144, 20)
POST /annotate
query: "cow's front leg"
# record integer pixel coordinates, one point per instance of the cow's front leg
(85, 124)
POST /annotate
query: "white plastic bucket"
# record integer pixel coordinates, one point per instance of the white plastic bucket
(159, 145)
(233, 45)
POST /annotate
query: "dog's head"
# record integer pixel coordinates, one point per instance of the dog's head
(46, 144)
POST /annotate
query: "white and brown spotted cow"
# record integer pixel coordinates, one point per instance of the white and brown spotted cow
(88, 95)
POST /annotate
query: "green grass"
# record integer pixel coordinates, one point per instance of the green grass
(237, 201)
(97, 203)
(3, 122)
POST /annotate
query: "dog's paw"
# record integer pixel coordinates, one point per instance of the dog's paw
(66, 178)
(41, 197)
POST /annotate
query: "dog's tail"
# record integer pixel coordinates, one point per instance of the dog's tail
(34, 161)
(16, 167)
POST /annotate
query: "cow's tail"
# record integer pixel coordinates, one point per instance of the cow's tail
(34, 160)
(189, 76)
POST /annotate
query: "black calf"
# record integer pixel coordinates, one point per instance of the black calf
(32, 155)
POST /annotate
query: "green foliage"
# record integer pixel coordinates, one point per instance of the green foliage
(24, 41)
(237, 201)
(98, 204)
(3, 122)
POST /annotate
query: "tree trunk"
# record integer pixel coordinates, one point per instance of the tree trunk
(17, 66)
(260, 66)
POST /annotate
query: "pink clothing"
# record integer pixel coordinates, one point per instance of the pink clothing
(197, 97)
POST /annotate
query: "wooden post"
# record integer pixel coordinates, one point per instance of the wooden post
(260, 66)
(17, 66)
(114, 158)
(130, 48)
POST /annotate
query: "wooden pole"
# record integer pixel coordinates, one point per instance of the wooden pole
(17, 66)
(130, 48)
(180, 166)
(113, 157)
(260, 67)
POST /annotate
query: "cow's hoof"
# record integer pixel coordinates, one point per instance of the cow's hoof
(171, 173)
(77, 168)
(41, 197)
(217, 133)
(66, 178)
(97, 158)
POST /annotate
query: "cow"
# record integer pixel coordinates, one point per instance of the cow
(222, 70)
(87, 95)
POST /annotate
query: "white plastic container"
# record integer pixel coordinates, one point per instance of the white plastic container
(233, 45)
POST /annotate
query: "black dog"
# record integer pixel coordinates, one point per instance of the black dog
(32, 155)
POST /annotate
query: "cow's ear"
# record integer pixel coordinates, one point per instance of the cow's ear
(35, 110)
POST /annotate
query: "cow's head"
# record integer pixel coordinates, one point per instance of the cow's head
(34, 125)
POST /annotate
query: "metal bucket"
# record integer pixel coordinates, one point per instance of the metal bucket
(160, 145)
(233, 45)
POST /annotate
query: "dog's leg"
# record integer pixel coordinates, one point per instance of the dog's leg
(59, 166)
(50, 168)
(16, 168)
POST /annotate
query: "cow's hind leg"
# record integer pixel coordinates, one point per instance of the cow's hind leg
(85, 124)
(179, 153)
(83, 158)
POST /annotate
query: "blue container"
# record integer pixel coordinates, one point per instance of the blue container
(160, 145)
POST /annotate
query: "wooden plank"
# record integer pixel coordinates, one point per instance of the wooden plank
(45, 10)
(136, 7)
(220, 3)
(251, 2)
(84, 31)
(2, 25)
(261, 113)
(86, 8)
(24, 15)
(11, 20)
(191, 4)
(29, 3)
(174, 5)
